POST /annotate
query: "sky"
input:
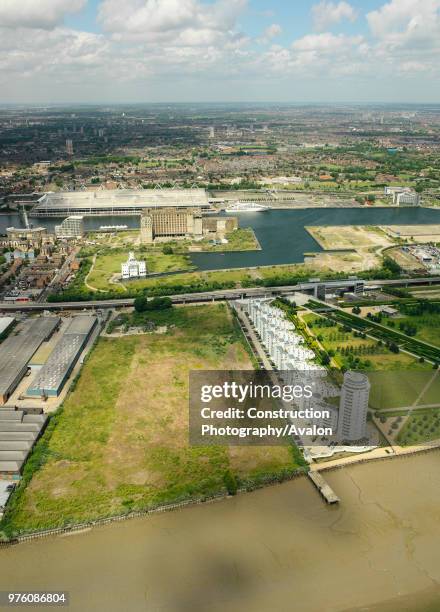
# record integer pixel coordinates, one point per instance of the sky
(120, 51)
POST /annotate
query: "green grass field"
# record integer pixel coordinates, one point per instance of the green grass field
(109, 264)
(241, 239)
(120, 442)
(428, 326)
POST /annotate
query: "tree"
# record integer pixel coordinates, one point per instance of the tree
(325, 359)
(167, 250)
(141, 303)
(230, 482)
(356, 310)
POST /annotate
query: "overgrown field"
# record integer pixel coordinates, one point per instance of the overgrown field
(121, 440)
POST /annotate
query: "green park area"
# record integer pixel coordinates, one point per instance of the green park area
(350, 349)
(107, 265)
(421, 426)
(426, 326)
(120, 441)
(398, 379)
(241, 239)
(105, 261)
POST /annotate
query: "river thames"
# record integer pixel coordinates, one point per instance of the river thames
(274, 550)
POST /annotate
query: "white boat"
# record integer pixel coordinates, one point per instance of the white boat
(246, 207)
(109, 228)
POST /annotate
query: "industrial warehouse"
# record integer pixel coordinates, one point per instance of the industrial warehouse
(16, 351)
(18, 433)
(35, 348)
(118, 202)
(53, 375)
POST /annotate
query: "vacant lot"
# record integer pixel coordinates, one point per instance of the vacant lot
(121, 442)
(350, 237)
(414, 233)
(363, 243)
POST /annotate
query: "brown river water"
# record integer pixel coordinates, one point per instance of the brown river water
(274, 550)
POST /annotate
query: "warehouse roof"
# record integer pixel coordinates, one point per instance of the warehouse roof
(16, 351)
(18, 432)
(81, 324)
(52, 375)
(5, 322)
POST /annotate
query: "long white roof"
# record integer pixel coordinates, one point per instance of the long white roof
(123, 198)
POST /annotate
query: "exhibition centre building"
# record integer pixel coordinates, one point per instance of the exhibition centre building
(122, 202)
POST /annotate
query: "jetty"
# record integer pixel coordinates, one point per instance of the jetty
(323, 487)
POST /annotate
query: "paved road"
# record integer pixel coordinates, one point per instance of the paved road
(225, 294)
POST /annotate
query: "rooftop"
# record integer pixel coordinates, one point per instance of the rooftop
(53, 374)
(5, 322)
(18, 433)
(126, 199)
(16, 351)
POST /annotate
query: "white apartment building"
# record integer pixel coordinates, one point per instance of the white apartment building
(133, 268)
(353, 407)
(403, 196)
(407, 199)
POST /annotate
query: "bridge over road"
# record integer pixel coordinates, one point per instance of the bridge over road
(312, 287)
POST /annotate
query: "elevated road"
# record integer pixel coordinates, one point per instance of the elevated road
(224, 294)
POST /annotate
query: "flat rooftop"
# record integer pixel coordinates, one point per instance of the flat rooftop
(17, 350)
(52, 376)
(123, 200)
(5, 323)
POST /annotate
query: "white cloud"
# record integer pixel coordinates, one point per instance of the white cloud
(326, 14)
(62, 53)
(403, 16)
(184, 22)
(272, 31)
(407, 34)
(325, 43)
(170, 43)
(36, 13)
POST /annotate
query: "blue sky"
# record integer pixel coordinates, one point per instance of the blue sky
(225, 50)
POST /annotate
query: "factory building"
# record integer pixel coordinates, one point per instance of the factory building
(171, 223)
(72, 227)
(50, 380)
(16, 351)
(118, 202)
(18, 433)
(133, 268)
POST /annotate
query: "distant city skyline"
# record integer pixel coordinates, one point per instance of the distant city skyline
(140, 51)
